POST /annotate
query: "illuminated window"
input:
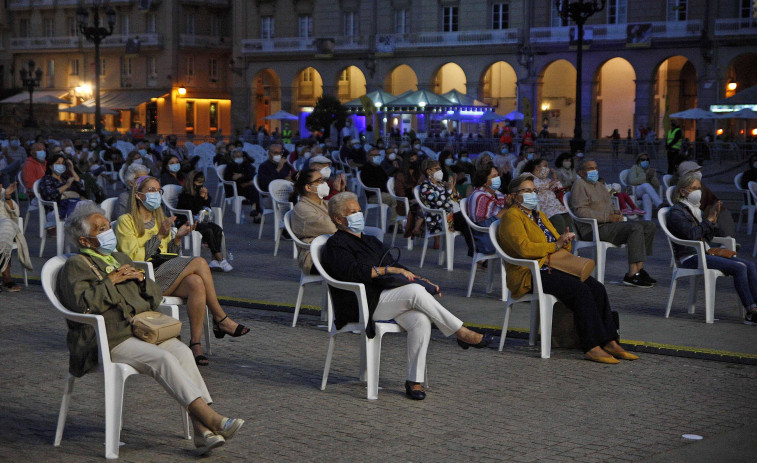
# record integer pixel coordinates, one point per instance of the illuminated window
(344, 76)
(677, 10)
(73, 67)
(190, 115)
(213, 117)
(305, 26)
(401, 21)
(748, 9)
(307, 75)
(151, 23)
(616, 11)
(266, 27)
(449, 19)
(126, 64)
(500, 16)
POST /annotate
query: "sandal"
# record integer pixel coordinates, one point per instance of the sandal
(200, 360)
(11, 287)
(219, 333)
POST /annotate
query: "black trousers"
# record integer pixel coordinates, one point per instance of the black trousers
(212, 235)
(458, 221)
(674, 158)
(589, 303)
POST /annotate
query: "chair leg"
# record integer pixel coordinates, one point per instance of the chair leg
(300, 293)
(710, 282)
(673, 285)
(693, 281)
(545, 316)
(505, 324)
(186, 422)
(394, 233)
(472, 277)
(601, 259)
(449, 248)
(59, 234)
(262, 222)
(68, 388)
(327, 366)
(114, 396)
(489, 276)
(423, 252)
(276, 237)
(207, 327)
(533, 325)
(373, 361)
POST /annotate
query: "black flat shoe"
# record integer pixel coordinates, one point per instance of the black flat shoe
(414, 394)
(219, 333)
(485, 341)
(200, 360)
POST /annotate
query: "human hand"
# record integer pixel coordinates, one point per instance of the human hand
(236, 176)
(184, 230)
(282, 162)
(125, 273)
(613, 218)
(165, 227)
(10, 189)
(565, 238)
(405, 273)
(204, 193)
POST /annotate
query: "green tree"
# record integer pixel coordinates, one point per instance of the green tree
(327, 109)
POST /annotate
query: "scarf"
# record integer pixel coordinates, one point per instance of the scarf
(695, 211)
(109, 260)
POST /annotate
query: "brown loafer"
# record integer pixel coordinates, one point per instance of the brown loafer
(610, 360)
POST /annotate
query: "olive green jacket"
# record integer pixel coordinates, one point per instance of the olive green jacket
(81, 290)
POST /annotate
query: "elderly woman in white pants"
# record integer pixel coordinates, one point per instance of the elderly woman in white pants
(349, 255)
(647, 185)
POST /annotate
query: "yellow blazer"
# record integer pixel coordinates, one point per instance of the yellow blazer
(131, 244)
(520, 237)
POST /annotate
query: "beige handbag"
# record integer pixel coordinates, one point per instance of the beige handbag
(564, 261)
(155, 327)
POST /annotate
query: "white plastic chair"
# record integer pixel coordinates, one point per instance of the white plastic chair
(448, 243)
(710, 276)
(15, 246)
(749, 204)
(598, 246)
(479, 256)
(305, 278)
(623, 177)
(170, 197)
(206, 152)
(257, 152)
(108, 205)
(59, 232)
(32, 204)
(114, 374)
(121, 174)
(542, 305)
(235, 200)
(264, 199)
(379, 204)
(666, 181)
(289, 147)
(400, 219)
(279, 190)
(110, 170)
(370, 349)
(669, 194)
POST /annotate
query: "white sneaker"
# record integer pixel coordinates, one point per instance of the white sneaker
(226, 266)
(214, 264)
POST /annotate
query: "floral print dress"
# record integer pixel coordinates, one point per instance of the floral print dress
(438, 197)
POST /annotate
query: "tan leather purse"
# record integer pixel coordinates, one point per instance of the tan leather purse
(721, 252)
(564, 261)
(155, 327)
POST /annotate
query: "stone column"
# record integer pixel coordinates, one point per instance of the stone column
(528, 90)
(644, 101)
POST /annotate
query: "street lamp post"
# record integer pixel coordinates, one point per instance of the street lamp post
(31, 79)
(578, 12)
(95, 34)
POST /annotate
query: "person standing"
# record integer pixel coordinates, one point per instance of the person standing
(673, 147)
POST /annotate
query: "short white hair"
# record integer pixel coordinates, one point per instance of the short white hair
(338, 204)
(77, 223)
(134, 171)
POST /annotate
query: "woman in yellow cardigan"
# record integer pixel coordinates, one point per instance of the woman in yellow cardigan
(144, 234)
(526, 233)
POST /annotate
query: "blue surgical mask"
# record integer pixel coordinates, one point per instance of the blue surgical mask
(143, 152)
(449, 162)
(41, 155)
(59, 168)
(137, 161)
(356, 222)
(592, 176)
(530, 201)
(15, 143)
(504, 151)
(152, 200)
(530, 156)
(496, 183)
(644, 164)
(239, 160)
(465, 159)
(107, 241)
(174, 167)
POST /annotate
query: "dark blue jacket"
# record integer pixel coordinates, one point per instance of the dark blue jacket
(683, 225)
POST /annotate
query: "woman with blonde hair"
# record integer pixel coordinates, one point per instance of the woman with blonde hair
(144, 234)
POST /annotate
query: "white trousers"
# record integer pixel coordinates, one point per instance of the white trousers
(171, 363)
(649, 198)
(414, 309)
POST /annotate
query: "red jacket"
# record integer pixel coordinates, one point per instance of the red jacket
(32, 171)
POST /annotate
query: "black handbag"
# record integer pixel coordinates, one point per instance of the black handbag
(159, 259)
(398, 280)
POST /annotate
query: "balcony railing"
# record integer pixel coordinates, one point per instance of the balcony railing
(204, 41)
(39, 43)
(145, 40)
(736, 26)
(602, 32)
(448, 39)
(19, 4)
(278, 45)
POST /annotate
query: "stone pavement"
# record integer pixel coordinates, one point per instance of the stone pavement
(481, 405)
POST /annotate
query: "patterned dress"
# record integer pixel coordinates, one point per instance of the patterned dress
(438, 197)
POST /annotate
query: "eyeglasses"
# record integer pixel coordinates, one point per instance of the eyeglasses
(318, 182)
(153, 190)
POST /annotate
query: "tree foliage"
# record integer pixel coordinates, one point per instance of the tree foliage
(327, 109)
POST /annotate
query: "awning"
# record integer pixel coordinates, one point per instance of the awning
(43, 95)
(126, 99)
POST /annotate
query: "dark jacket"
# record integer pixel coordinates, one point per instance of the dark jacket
(373, 176)
(268, 173)
(168, 179)
(193, 203)
(348, 258)
(749, 176)
(683, 225)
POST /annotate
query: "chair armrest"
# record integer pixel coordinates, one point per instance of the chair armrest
(147, 267)
(185, 212)
(87, 319)
(218, 216)
(726, 241)
(170, 310)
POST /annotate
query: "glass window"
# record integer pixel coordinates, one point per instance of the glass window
(500, 15)
(350, 24)
(307, 75)
(748, 9)
(190, 115)
(71, 28)
(126, 66)
(152, 66)
(213, 117)
(102, 67)
(51, 73)
(616, 11)
(344, 76)
(401, 21)
(266, 27)
(213, 68)
(73, 67)
(305, 26)
(449, 19)
(49, 24)
(151, 25)
(556, 19)
(124, 24)
(215, 26)
(23, 28)
(190, 25)
(677, 10)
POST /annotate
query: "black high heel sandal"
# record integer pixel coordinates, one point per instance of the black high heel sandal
(219, 333)
(486, 339)
(200, 360)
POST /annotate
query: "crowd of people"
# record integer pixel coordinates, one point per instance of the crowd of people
(512, 186)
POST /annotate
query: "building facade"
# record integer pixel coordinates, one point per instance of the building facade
(642, 59)
(157, 48)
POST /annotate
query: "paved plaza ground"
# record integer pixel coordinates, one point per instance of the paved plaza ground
(481, 405)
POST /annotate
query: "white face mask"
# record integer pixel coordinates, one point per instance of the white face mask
(438, 175)
(393, 156)
(695, 197)
(277, 158)
(323, 190)
(326, 172)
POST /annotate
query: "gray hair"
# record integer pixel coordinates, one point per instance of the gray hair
(77, 224)
(584, 161)
(515, 183)
(134, 171)
(337, 204)
(683, 183)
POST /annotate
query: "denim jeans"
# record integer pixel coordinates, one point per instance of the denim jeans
(744, 275)
(8, 173)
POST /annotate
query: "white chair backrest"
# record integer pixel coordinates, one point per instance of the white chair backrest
(121, 174)
(35, 188)
(662, 217)
(430, 153)
(108, 205)
(624, 177)
(280, 190)
(566, 203)
(21, 184)
(471, 223)
(390, 187)
(666, 180)
(205, 151)
(220, 170)
(190, 147)
(263, 194)
(737, 181)
(171, 195)
(288, 225)
(669, 194)
(752, 188)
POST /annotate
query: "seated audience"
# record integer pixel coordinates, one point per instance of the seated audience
(726, 227)
(336, 183)
(566, 169)
(310, 216)
(194, 197)
(171, 173)
(373, 176)
(486, 205)
(686, 221)
(62, 185)
(35, 166)
(103, 282)
(144, 234)
(526, 233)
(547, 186)
(274, 168)
(405, 180)
(10, 233)
(350, 255)
(242, 172)
(644, 178)
(133, 172)
(589, 198)
(750, 174)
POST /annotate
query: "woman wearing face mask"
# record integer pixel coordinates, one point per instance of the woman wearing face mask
(144, 234)
(407, 178)
(140, 156)
(546, 184)
(486, 204)
(686, 221)
(566, 169)
(526, 233)
(241, 171)
(194, 197)
(62, 185)
(350, 255)
(171, 173)
(447, 160)
(310, 216)
(644, 178)
(35, 166)
(439, 195)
